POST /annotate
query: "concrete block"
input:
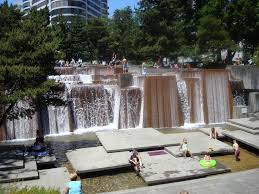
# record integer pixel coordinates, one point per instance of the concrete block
(55, 178)
(252, 122)
(29, 172)
(232, 183)
(244, 137)
(253, 102)
(123, 140)
(167, 168)
(199, 144)
(95, 159)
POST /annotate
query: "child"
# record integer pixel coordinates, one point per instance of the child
(237, 150)
(136, 162)
(73, 186)
(184, 148)
(213, 133)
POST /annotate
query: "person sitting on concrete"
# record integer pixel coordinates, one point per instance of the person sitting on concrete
(74, 186)
(136, 161)
(213, 133)
(237, 150)
(185, 149)
(184, 192)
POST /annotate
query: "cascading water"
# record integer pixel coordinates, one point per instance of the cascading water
(182, 90)
(130, 106)
(92, 106)
(23, 127)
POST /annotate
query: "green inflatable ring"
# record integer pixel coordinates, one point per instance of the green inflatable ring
(208, 164)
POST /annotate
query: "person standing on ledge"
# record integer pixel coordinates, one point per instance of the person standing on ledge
(125, 65)
(237, 150)
(74, 186)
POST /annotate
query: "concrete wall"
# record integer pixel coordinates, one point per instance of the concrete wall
(249, 75)
(253, 103)
(161, 102)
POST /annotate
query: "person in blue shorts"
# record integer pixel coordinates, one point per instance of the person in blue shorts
(74, 186)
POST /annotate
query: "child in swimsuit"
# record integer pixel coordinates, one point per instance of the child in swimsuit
(184, 148)
(237, 150)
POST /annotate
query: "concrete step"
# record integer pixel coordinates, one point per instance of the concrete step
(251, 123)
(232, 127)
(29, 172)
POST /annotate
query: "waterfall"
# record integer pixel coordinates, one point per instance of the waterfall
(23, 127)
(182, 90)
(92, 106)
(130, 106)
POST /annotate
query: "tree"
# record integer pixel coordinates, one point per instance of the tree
(97, 39)
(212, 34)
(27, 56)
(123, 33)
(73, 37)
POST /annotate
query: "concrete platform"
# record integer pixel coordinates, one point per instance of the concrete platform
(29, 172)
(46, 160)
(124, 140)
(244, 137)
(50, 178)
(207, 131)
(199, 144)
(10, 164)
(233, 126)
(252, 122)
(232, 183)
(167, 168)
(95, 159)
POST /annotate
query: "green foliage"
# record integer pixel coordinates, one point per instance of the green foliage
(27, 56)
(32, 190)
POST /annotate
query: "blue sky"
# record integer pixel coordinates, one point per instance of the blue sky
(113, 4)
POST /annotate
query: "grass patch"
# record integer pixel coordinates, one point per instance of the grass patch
(32, 190)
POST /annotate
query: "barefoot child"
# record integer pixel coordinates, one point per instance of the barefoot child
(237, 150)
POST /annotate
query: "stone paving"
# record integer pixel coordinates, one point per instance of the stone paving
(29, 172)
(199, 143)
(233, 183)
(134, 138)
(244, 137)
(95, 159)
(167, 168)
(252, 122)
(55, 178)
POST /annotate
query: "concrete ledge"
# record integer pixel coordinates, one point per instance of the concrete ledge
(199, 144)
(239, 127)
(166, 168)
(252, 122)
(233, 183)
(46, 160)
(95, 159)
(55, 178)
(244, 137)
(125, 140)
(29, 172)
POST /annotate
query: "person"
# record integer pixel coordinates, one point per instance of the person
(207, 157)
(39, 145)
(125, 65)
(184, 192)
(113, 61)
(74, 186)
(237, 150)
(136, 161)
(213, 133)
(184, 148)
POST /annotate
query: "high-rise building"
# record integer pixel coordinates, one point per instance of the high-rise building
(68, 8)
